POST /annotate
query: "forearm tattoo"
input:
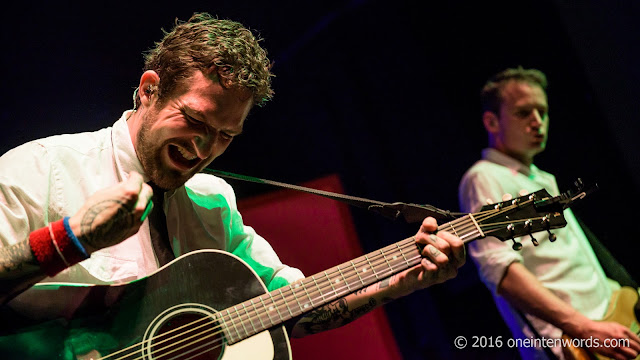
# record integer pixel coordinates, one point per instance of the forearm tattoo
(14, 257)
(99, 233)
(361, 291)
(334, 315)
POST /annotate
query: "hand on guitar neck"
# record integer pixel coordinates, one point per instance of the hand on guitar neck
(442, 255)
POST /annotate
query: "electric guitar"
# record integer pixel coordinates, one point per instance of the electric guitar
(209, 304)
(621, 310)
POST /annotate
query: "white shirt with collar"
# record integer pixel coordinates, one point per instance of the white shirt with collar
(568, 267)
(44, 180)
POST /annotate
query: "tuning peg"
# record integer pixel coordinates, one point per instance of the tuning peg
(545, 220)
(529, 225)
(512, 230)
(516, 245)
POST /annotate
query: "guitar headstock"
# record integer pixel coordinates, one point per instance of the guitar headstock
(524, 215)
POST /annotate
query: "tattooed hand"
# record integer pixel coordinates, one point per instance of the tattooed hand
(113, 214)
(442, 255)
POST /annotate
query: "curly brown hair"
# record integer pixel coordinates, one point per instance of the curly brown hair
(205, 43)
(491, 96)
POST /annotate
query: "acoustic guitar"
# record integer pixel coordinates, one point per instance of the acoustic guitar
(209, 304)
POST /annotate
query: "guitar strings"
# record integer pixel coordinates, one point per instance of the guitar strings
(276, 303)
(487, 214)
(248, 316)
(334, 272)
(492, 227)
(407, 243)
(220, 327)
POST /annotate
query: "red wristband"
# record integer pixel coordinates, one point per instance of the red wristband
(54, 249)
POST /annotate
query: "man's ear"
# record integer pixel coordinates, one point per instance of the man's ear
(148, 86)
(490, 121)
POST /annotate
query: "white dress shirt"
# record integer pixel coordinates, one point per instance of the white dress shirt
(44, 180)
(568, 267)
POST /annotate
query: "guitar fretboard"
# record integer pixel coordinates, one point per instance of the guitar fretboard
(263, 312)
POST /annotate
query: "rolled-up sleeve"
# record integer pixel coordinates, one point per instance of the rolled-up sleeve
(25, 192)
(491, 255)
(215, 204)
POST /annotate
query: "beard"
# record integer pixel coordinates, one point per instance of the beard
(149, 152)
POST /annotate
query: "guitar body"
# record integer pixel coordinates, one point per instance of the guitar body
(71, 321)
(621, 310)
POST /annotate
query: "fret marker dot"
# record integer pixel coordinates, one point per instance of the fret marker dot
(270, 308)
(364, 270)
(306, 306)
(337, 281)
(395, 257)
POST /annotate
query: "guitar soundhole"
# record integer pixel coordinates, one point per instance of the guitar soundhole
(183, 334)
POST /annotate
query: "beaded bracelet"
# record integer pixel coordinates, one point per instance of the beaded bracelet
(56, 247)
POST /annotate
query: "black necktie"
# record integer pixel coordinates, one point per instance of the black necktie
(158, 228)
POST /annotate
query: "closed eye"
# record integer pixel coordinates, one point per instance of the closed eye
(191, 119)
(226, 136)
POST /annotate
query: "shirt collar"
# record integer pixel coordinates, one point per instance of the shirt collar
(124, 153)
(505, 160)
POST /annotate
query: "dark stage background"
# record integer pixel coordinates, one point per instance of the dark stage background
(382, 93)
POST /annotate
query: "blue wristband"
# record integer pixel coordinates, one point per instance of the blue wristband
(74, 239)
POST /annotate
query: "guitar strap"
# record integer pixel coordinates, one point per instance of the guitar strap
(158, 228)
(411, 213)
(613, 269)
(546, 350)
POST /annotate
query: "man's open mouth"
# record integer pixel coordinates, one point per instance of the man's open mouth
(182, 157)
